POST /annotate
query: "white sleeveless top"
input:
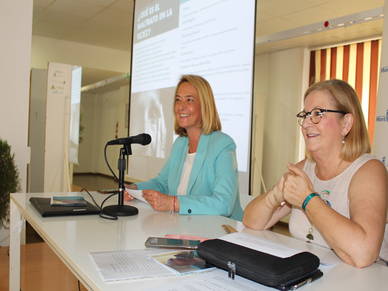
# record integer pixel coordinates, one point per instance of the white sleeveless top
(185, 177)
(334, 192)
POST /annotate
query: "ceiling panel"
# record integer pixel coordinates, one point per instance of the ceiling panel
(341, 35)
(107, 23)
(283, 8)
(98, 22)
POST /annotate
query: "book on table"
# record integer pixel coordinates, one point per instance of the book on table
(68, 201)
(44, 207)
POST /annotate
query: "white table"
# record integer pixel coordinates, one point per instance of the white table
(73, 238)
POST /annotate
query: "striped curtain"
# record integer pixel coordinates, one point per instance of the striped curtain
(356, 63)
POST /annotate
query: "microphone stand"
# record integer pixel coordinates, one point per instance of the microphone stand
(120, 209)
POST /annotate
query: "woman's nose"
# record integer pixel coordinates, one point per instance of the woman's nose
(307, 122)
(178, 107)
(181, 105)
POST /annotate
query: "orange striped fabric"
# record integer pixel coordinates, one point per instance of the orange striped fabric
(356, 63)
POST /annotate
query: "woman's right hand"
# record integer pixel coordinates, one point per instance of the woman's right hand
(275, 196)
(127, 196)
(297, 186)
(265, 210)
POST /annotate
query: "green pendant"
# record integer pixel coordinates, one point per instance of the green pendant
(309, 236)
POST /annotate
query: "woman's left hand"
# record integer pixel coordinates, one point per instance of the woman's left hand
(159, 201)
(296, 186)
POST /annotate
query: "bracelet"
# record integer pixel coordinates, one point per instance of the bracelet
(173, 203)
(172, 208)
(307, 200)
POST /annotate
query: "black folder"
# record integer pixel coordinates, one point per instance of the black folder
(287, 273)
(42, 205)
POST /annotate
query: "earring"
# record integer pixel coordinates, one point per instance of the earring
(343, 140)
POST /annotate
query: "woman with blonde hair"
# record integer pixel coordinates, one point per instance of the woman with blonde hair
(200, 176)
(337, 195)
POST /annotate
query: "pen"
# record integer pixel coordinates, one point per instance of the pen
(317, 274)
(300, 284)
(228, 228)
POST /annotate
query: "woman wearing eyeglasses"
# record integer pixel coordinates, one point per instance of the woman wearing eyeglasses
(337, 195)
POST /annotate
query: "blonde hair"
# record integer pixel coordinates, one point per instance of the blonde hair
(210, 119)
(345, 98)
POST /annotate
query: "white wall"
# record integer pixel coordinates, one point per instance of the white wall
(37, 121)
(46, 50)
(381, 131)
(260, 98)
(15, 59)
(103, 116)
(88, 119)
(281, 132)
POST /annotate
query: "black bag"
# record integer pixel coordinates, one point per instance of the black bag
(281, 273)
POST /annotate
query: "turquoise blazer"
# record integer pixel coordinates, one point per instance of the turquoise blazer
(213, 183)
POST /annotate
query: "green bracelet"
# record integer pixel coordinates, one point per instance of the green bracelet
(307, 200)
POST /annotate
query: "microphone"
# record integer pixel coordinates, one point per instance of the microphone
(143, 139)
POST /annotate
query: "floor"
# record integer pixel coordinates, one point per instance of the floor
(41, 269)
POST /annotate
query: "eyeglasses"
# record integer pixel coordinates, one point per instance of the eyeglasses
(315, 115)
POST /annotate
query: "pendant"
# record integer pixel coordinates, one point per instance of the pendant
(309, 235)
(325, 194)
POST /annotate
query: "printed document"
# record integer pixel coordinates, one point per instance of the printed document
(130, 264)
(215, 280)
(259, 244)
(326, 256)
(138, 194)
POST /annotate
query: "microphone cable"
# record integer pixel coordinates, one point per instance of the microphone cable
(107, 163)
(100, 207)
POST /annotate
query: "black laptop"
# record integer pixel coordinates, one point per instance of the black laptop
(46, 210)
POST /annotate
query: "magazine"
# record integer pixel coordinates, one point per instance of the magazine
(182, 262)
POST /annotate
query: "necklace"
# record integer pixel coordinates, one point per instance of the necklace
(325, 196)
(309, 234)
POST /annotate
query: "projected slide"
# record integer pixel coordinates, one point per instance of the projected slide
(211, 38)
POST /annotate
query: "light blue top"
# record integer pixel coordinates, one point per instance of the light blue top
(213, 183)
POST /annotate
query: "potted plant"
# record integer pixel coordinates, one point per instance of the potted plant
(9, 181)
